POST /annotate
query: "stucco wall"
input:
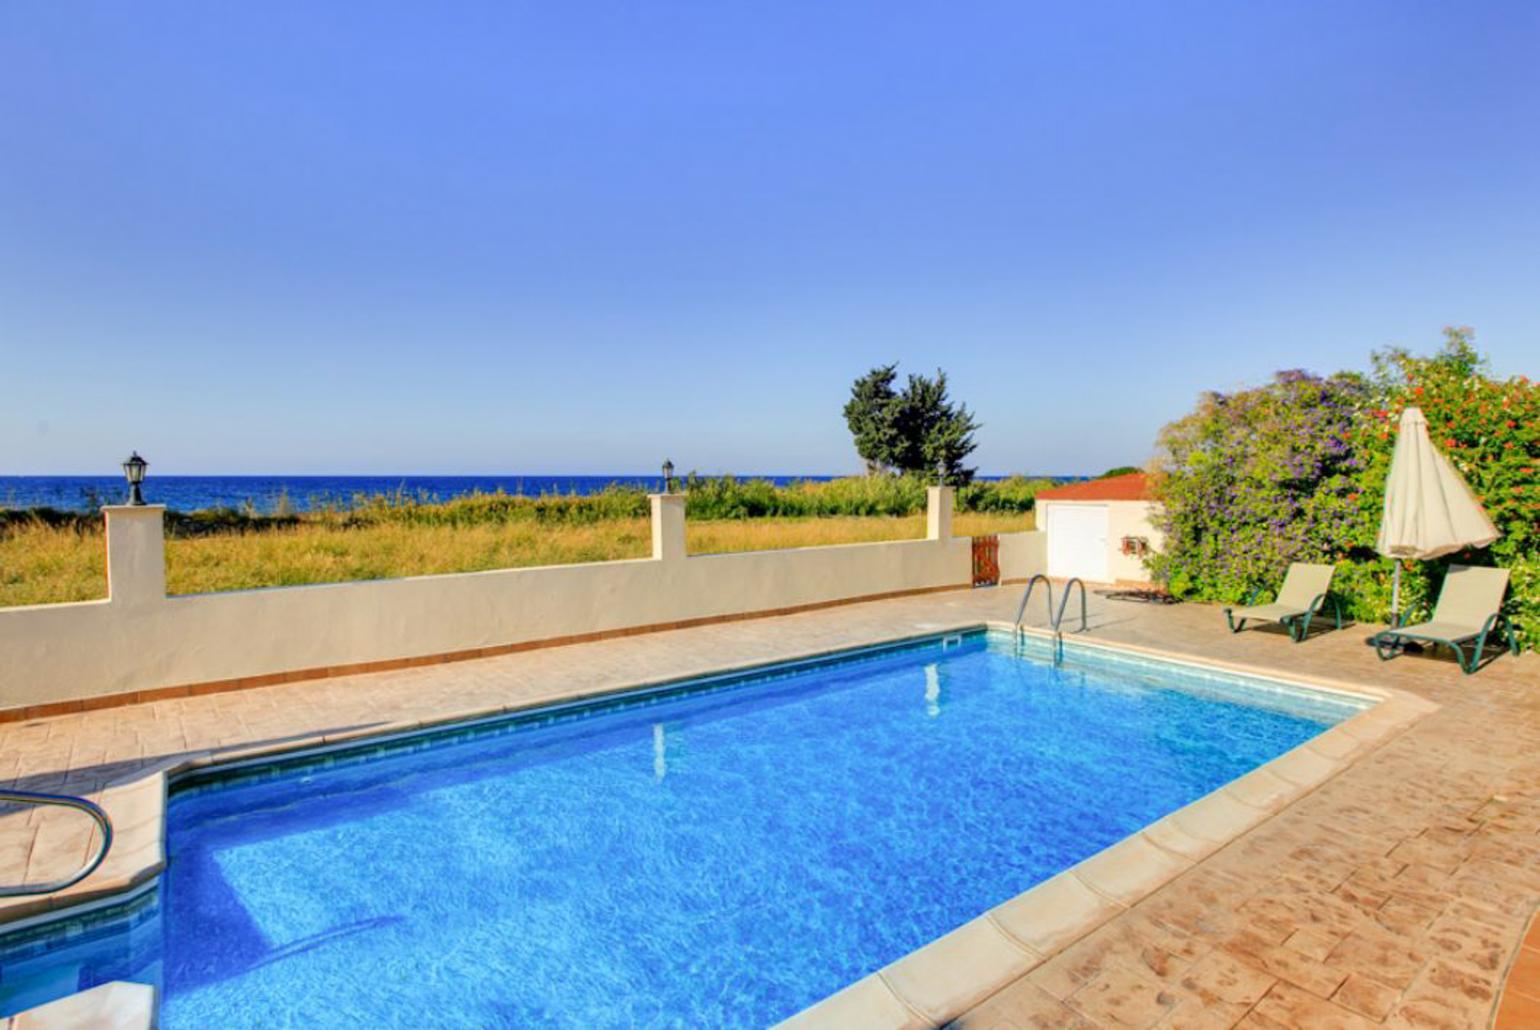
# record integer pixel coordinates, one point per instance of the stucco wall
(1130, 518)
(1023, 555)
(143, 640)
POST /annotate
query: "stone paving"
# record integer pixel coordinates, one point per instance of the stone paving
(1396, 893)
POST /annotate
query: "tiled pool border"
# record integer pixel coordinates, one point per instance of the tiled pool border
(929, 986)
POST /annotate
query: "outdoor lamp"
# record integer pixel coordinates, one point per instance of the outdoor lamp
(133, 471)
(668, 476)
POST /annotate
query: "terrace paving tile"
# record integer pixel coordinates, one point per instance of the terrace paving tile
(1408, 844)
(1289, 1006)
(1366, 997)
(1316, 944)
(1022, 1006)
(1121, 997)
(1221, 979)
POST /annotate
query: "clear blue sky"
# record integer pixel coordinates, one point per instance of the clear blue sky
(569, 237)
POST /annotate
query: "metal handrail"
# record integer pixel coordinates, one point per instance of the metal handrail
(63, 801)
(1021, 610)
(1064, 601)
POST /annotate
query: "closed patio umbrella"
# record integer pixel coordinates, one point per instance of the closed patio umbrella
(1429, 508)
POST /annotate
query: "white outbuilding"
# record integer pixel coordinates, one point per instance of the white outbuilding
(1100, 530)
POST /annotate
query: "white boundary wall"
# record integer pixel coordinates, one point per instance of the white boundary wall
(141, 639)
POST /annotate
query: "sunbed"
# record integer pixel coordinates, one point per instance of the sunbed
(1469, 609)
(1306, 590)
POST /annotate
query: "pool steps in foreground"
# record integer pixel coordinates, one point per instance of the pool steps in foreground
(111, 1006)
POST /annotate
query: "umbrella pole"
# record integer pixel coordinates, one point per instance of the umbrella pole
(1395, 597)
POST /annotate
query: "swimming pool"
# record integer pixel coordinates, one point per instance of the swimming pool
(724, 852)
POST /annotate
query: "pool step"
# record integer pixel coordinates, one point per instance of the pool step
(118, 1005)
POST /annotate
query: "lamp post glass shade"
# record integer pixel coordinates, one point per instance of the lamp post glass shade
(668, 476)
(133, 471)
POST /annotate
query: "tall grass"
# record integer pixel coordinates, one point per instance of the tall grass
(43, 562)
(52, 559)
(713, 498)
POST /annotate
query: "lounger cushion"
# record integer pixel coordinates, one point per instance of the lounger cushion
(1267, 612)
(1436, 630)
(1303, 584)
(1469, 595)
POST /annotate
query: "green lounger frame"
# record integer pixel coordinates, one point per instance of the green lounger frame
(1468, 612)
(1305, 593)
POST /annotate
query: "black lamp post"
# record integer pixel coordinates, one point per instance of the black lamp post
(941, 471)
(133, 471)
(668, 476)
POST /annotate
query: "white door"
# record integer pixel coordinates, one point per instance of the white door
(1077, 541)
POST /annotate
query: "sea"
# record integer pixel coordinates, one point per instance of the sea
(267, 494)
(302, 493)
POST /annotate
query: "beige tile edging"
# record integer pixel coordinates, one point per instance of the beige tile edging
(940, 981)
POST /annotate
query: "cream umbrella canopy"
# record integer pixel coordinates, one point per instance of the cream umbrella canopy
(1429, 508)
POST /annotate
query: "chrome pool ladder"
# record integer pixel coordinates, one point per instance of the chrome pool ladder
(1055, 615)
(1021, 609)
(27, 797)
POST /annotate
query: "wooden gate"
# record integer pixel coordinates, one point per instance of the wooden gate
(986, 561)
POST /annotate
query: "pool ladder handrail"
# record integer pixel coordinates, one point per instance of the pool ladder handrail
(27, 797)
(1055, 616)
(1074, 581)
(1021, 609)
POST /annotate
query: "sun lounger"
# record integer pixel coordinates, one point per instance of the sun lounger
(1306, 590)
(1469, 609)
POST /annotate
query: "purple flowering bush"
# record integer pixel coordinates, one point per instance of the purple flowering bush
(1254, 480)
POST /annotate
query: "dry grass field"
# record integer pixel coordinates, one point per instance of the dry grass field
(41, 564)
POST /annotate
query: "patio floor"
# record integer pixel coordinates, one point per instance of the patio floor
(1398, 892)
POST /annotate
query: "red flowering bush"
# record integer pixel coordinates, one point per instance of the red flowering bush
(1490, 429)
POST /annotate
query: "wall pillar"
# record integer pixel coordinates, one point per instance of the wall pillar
(136, 553)
(938, 512)
(667, 527)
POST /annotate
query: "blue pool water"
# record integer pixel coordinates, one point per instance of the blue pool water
(713, 857)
